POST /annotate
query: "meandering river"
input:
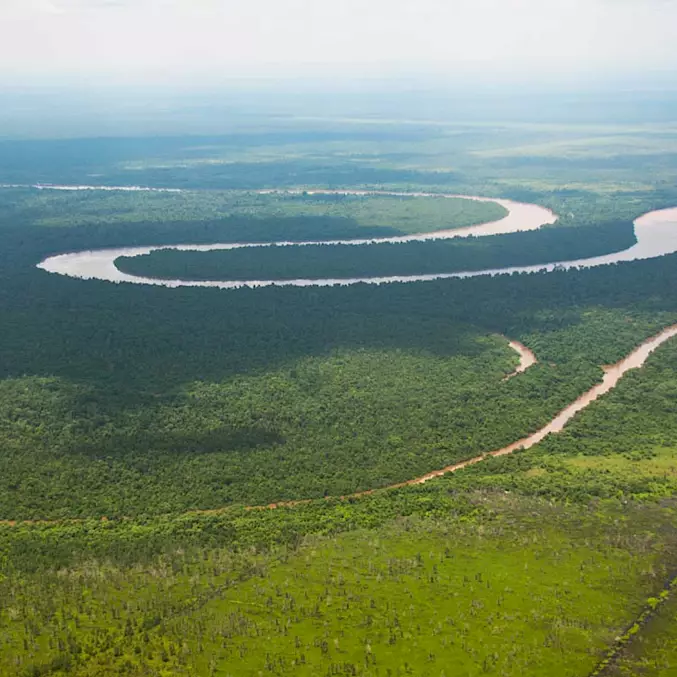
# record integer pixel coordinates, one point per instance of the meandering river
(655, 232)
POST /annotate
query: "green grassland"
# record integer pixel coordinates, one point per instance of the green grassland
(427, 598)
(652, 649)
(525, 564)
(521, 587)
(520, 565)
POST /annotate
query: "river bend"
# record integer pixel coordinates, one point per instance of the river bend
(655, 232)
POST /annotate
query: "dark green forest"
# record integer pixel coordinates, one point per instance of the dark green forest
(139, 425)
(198, 398)
(386, 259)
(185, 399)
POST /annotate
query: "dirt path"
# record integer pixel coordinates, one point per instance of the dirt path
(612, 375)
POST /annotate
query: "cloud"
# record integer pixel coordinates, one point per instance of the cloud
(139, 37)
(80, 6)
(12, 8)
(93, 5)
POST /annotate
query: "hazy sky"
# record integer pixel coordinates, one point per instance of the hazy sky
(164, 39)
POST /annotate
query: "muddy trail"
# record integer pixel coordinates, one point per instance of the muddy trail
(656, 234)
(612, 375)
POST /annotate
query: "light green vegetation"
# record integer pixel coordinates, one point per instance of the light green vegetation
(652, 647)
(624, 446)
(430, 599)
(394, 215)
(499, 585)
(142, 403)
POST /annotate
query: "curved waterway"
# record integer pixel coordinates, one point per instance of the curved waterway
(526, 356)
(655, 232)
(100, 264)
(612, 375)
(69, 188)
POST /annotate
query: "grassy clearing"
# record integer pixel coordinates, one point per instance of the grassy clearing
(425, 599)
(520, 587)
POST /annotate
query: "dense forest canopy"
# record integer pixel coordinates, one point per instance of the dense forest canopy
(384, 259)
(136, 423)
(380, 214)
(199, 398)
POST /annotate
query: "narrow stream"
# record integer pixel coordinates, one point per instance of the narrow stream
(612, 375)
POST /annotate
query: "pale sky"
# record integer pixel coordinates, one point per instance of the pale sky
(132, 40)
